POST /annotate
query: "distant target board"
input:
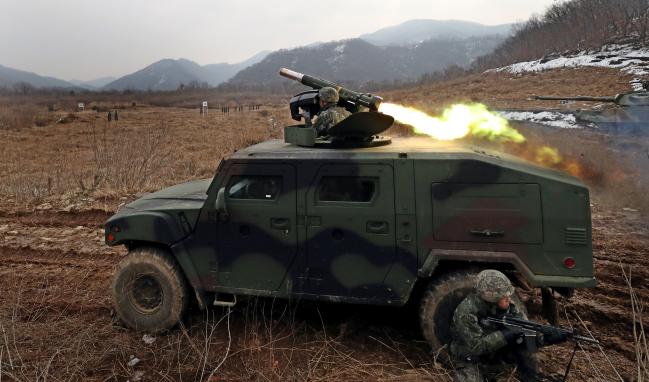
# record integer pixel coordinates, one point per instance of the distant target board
(204, 108)
(81, 106)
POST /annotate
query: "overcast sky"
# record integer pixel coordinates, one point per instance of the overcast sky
(86, 39)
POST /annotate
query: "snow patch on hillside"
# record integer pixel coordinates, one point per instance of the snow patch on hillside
(338, 56)
(627, 58)
(549, 118)
(340, 48)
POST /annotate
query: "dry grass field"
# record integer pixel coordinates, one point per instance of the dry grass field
(60, 181)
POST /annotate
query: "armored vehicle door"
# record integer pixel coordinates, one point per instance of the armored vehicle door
(490, 213)
(350, 229)
(257, 241)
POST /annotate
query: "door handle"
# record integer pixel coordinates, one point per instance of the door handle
(487, 233)
(378, 227)
(280, 223)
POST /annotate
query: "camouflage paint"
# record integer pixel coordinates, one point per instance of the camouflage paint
(476, 347)
(330, 115)
(435, 203)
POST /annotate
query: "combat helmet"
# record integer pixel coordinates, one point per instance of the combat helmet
(328, 95)
(492, 285)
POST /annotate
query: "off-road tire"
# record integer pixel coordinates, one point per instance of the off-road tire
(150, 293)
(438, 304)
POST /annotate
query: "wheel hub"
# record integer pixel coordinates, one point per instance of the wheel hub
(146, 294)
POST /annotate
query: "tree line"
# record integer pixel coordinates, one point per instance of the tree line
(573, 25)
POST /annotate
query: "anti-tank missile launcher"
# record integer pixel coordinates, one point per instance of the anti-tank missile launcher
(356, 99)
(360, 129)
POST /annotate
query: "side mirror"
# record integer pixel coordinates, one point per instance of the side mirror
(219, 204)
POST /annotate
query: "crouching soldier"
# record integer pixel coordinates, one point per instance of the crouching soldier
(480, 349)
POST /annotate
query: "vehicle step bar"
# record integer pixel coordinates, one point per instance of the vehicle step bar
(219, 301)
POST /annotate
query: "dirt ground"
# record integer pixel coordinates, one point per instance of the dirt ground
(61, 181)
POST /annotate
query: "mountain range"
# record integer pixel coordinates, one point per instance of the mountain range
(356, 61)
(170, 74)
(396, 53)
(416, 31)
(10, 77)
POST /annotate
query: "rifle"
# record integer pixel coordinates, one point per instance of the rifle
(530, 329)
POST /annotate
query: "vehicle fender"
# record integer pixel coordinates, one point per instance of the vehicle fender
(436, 256)
(191, 274)
(147, 226)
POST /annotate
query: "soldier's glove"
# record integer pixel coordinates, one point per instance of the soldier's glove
(513, 337)
(555, 337)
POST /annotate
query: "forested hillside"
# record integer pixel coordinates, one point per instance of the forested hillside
(573, 25)
(356, 62)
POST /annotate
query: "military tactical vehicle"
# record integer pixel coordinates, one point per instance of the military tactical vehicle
(353, 217)
(629, 112)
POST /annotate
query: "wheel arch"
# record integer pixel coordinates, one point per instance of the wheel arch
(500, 261)
(143, 226)
(435, 267)
(441, 261)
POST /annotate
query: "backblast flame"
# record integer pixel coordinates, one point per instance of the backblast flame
(456, 122)
(461, 120)
(548, 156)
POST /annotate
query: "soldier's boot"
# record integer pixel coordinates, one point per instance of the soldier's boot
(528, 367)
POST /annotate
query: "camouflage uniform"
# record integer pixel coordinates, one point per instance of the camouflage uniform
(480, 349)
(330, 114)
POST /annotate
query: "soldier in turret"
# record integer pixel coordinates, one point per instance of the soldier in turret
(330, 113)
(480, 349)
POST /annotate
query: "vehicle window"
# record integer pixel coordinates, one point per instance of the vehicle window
(346, 189)
(254, 187)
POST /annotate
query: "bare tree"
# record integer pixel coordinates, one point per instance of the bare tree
(573, 25)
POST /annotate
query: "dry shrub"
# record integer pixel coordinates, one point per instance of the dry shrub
(102, 106)
(50, 330)
(124, 159)
(266, 339)
(24, 187)
(34, 186)
(280, 340)
(44, 119)
(18, 116)
(641, 346)
(82, 155)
